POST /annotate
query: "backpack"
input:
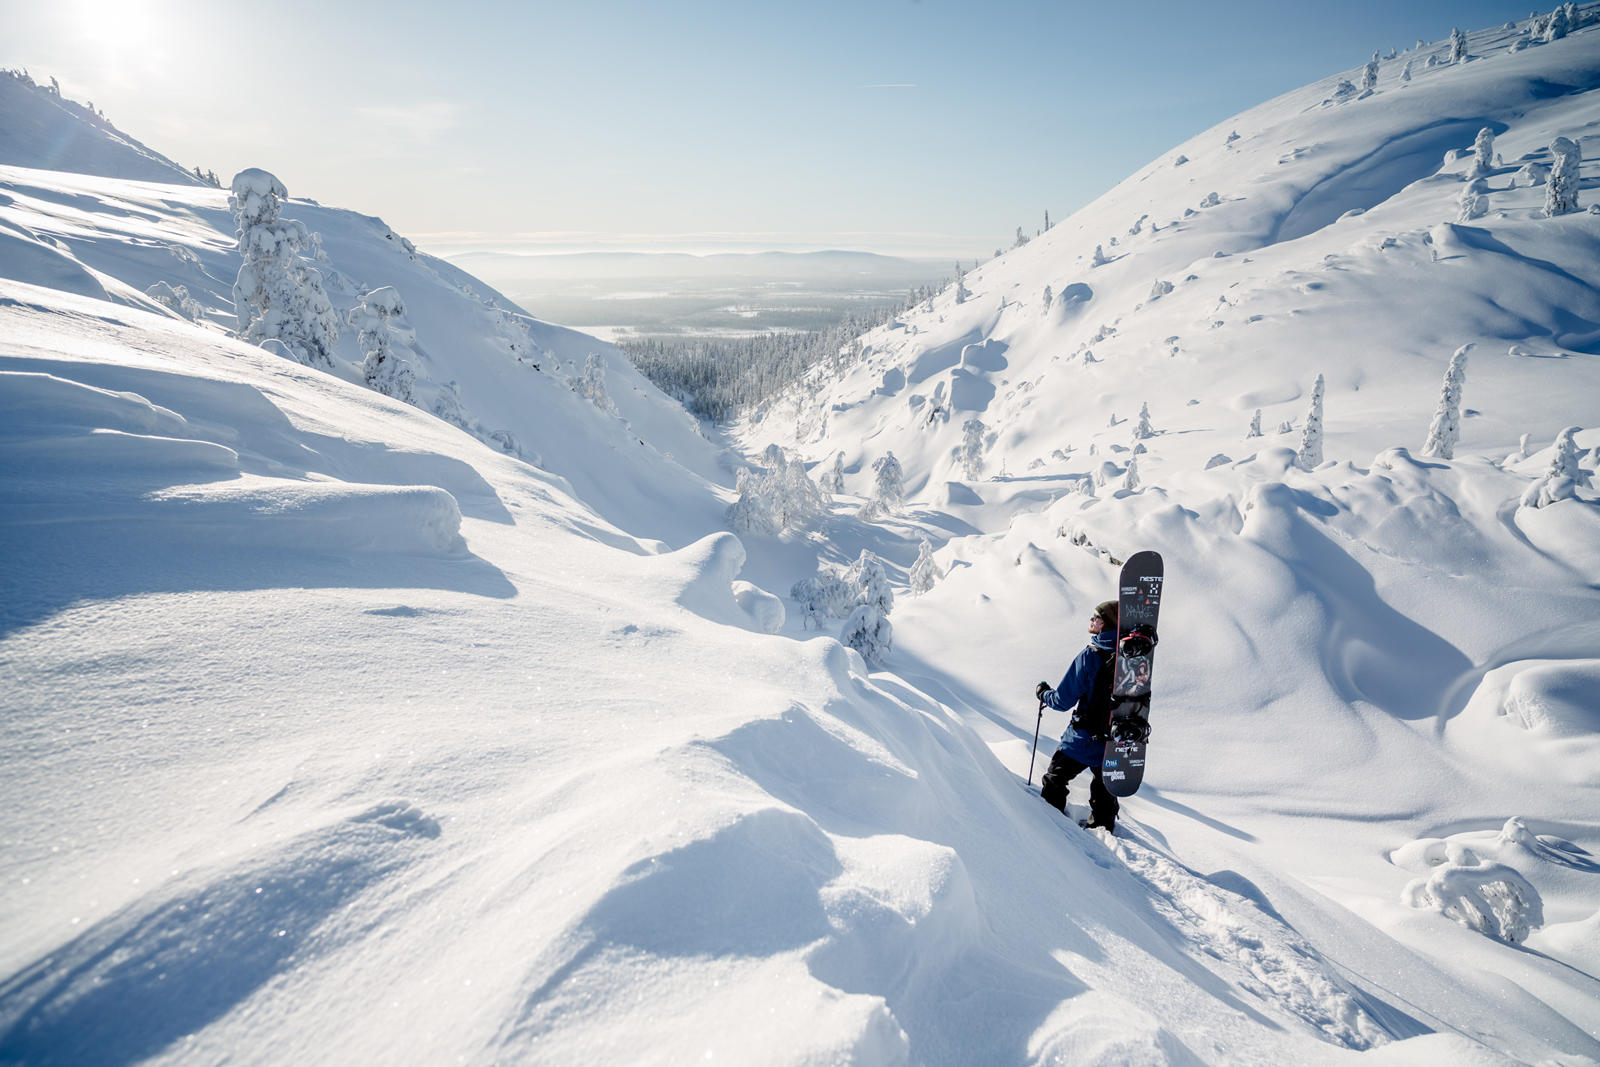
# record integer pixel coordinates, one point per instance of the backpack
(1093, 716)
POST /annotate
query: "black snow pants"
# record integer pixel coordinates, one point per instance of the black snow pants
(1053, 788)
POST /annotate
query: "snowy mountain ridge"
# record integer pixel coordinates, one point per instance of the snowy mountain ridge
(340, 731)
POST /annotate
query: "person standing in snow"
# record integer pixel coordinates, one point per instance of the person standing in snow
(1086, 692)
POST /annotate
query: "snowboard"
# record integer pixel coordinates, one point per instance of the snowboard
(1138, 604)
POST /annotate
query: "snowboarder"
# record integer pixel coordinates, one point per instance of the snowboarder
(1085, 690)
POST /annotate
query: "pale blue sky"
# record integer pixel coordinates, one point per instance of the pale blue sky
(910, 126)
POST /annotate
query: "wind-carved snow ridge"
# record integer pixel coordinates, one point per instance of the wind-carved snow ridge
(1258, 952)
(195, 947)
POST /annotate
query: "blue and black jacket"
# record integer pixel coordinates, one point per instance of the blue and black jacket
(1084, 740)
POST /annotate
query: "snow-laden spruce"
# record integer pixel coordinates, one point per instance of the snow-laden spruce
(888, 488)
(278, 296)
(924, 571)
(1445, 429)
(382, 366)
(970, 452)
(1561, 194)
(1562, 477)
(1309, 455)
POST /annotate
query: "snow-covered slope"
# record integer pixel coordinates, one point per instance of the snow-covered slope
(336, 731)
(1384, 649)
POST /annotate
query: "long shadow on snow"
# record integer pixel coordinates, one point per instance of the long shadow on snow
(1370, 652)
(174, 961)
(47, 569)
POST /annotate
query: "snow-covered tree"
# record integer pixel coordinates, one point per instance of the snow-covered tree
(1142, 430)
(961, 285)
(1049, 298)
(1405, 72)
(1458, 46)
(1309, 456)
(970, 453)
(1561, 479)
(1099, 259)
(833, 481)
(755, 511)
(1474, 204)
(869, 633)
(1369, 75)
(800, 502)
(1130, 477)
(867, 630)
(277, 296)
(1255, 425)
(1482, 153)
(381, 365)
(888, 493)
(924, 571)
(1561, 194)
(1022, 238)
(177, 298)
(1445, 430)
(591, 385)
(1557, 25)
(780, 497)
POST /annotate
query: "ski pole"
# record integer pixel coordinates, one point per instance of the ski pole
(1034, 754)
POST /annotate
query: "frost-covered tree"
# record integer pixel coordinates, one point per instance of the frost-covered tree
(867, 630)
(591, 385)
(1561, 479)
(1255, 425)
(1557, 25)
(1561, 194)
(961, 285)
(780, 497)
(800, 502)
(1369, 75)
(869, 633)
(1458, 46)
(1482, 153)
(278, 297)
(1445, 430)
(1022, 238)
(754, 512)
(1130, 477)
(382, 366)
(1099, 259)
(924, 571)
(970, 453)
(1142, 430)
(1309, 456)
(888, 492)
(177, 298)
(1405, 72)
(1049, 298)
(833, 481)
(1474, 204)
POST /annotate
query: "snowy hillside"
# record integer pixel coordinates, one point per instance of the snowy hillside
(342, 729)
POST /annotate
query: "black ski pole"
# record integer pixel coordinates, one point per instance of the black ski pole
(1034, 754)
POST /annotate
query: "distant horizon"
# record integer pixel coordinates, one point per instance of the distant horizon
(911, 128)
(897, 246)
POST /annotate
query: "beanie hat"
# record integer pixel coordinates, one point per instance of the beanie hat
(1108, 612)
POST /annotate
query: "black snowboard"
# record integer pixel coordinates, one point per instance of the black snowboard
(1138, 603)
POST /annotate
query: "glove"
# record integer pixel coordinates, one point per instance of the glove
(1044, 687)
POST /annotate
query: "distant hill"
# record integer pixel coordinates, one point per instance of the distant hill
(46, 131)
(505, 268)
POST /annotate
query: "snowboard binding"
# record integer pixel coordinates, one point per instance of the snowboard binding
(1139, 641)
(1130, 728)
